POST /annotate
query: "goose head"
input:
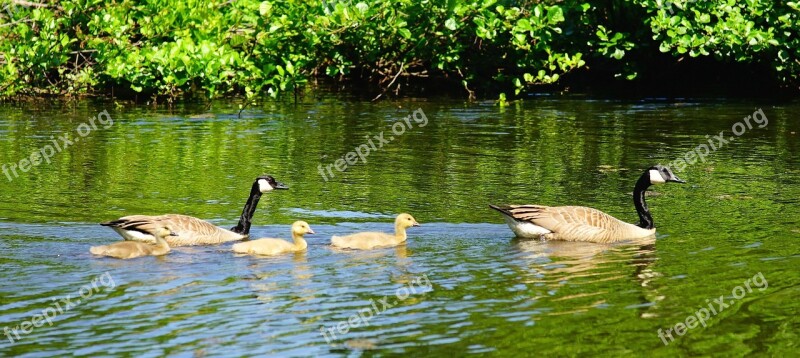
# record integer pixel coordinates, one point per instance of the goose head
(405, 221)
(660, 174)
(268, 183)
(301, 228)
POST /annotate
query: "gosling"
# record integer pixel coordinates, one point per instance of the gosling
(371, 240)
(271, 247)
(132, 249)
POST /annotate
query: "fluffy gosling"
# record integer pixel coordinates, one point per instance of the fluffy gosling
(132, 249)
(271, 247)
(371, 240)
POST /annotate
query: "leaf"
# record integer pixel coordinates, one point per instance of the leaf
(555, 14)
(331, 71)
(405, 33)
(528, 77)
(289, 68)
(524, 25)
(451, 24)
(265, 8)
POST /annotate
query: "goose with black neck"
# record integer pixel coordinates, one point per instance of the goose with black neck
(580, 223)
(191, 230)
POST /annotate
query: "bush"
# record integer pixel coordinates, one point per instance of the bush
(166, 48)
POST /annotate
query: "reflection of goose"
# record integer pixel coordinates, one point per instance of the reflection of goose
(569, 270)
(371, 240)
(191, 230)
(580, 223)
(580, 256)
(267, 246)
(132, 249)
(560, 249)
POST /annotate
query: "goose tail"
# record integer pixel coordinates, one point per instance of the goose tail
(113, 223)
(503, 209)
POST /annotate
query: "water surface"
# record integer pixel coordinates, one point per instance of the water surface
(461, 285)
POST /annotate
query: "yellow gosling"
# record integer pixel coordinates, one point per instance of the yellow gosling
(132, 249)
(271, 247)
(371, 240)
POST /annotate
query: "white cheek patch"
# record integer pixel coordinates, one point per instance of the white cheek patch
(263, 185)
(656, 178)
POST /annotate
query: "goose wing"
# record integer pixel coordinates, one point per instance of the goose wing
(574, 223)
(553, 217)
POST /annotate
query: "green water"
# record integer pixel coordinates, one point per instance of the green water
(461, 285)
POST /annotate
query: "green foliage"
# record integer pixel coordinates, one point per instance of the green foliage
(168, 48)
(752, 31)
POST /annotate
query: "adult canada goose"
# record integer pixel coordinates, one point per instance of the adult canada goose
(131, 249)
(371, 240)
(191, 230)
(266, 246)
(580, 223)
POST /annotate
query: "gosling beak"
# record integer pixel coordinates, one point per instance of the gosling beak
(311, 231)
(172, 233)
(279, 185)
(415, 224)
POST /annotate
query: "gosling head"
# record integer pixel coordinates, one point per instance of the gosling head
(164, 231)
(268, 183)
(405, 221)
(301, 228)
(660, 174)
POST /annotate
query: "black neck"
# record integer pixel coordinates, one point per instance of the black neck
(249, 209)
(645, 219)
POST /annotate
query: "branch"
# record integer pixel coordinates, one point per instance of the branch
(29, 4)
(464, 80)
(402, 68)
(16, 22)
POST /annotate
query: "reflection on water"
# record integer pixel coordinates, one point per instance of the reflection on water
(489, 293)
(555, 264)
